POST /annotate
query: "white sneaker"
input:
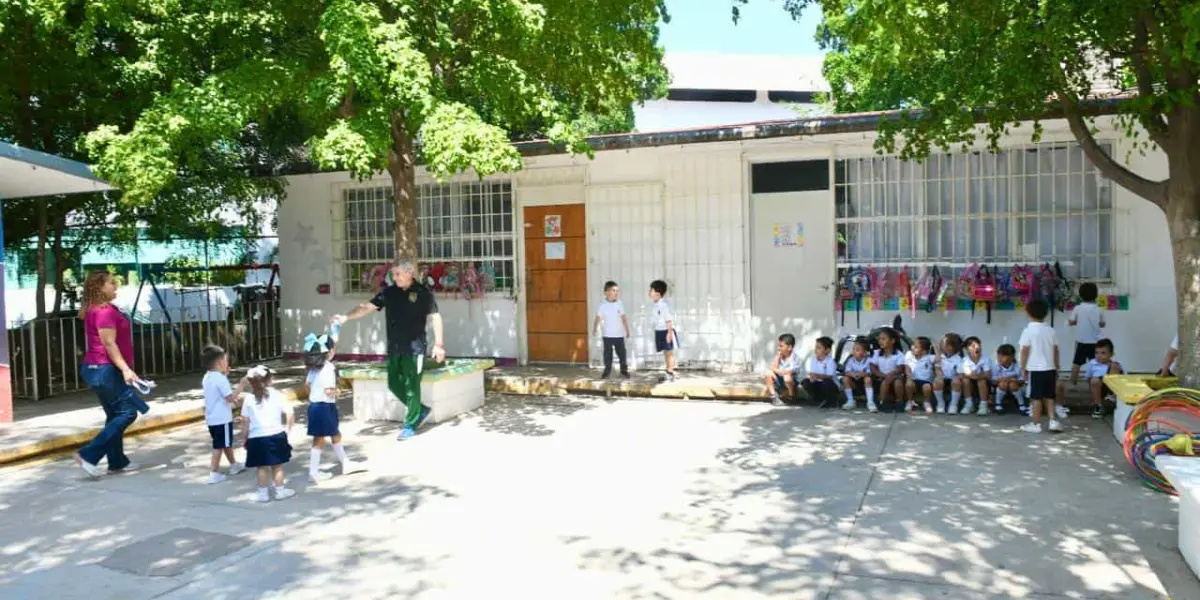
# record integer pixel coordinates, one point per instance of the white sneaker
(92, 470)
(129, 468)
(1055, 426)
(262, 496)
(909, 406)
(284, 493)
(983, 410)
(941, 407)
(849, 405)
(1061, 411)
(215, 478)
(316, 478)
(350, 466)
(968, 408)
(237, 468)
(871, 407)
(1032, 427)
(952, 408)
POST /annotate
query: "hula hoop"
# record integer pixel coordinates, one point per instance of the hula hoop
(1152, 423)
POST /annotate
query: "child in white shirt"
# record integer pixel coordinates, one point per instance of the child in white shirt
(1088, 319)
(615, 323)
(1006, 375)
(270, 417)
(949, 365)
(664, 326)
(1039, 363)
(919, 363)
(856, 375)
(820, 383)
(977, 374)
(219, 401)
(323, 418)
(1094, 371)
(888, 366)
(783, 375)
(1170, 360)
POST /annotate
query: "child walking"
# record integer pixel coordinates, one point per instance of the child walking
(1094, 371)
(1007, 377)
(664, 326)
(949, 365)
(782, 377)
(976, 377)
(612, 324)
(888, 366)
(1088, 320)
(857, 375)
(269, 419)
(919, 363)
(219, 401)
(1039, 363)
(822, 369)
(322, 404)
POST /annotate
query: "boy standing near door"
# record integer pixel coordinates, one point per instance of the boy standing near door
(613, 325)
(664, 326)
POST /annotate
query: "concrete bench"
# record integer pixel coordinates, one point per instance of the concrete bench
(1184, 474)
(1130, 390)
(450, 390)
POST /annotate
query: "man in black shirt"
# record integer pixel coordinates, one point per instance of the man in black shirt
(408, 305)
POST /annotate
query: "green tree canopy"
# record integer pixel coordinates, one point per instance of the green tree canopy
(382, 84)
(939, 61)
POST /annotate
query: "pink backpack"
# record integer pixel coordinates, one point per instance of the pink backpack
(1021, 282)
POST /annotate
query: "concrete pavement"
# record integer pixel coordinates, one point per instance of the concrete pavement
(586, 498)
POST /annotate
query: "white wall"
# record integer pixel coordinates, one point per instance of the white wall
(666, 115)
(680, 213)
(484, 327)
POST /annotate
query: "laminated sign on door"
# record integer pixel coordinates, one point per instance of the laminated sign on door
(556, 251)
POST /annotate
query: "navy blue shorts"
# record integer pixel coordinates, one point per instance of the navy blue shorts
(921, 383)
(1042, 385)
(268, 451)
(660, 341)
(222, 436)
(323, 419)
(780, 382)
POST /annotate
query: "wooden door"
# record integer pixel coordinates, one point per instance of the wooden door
(556, 283)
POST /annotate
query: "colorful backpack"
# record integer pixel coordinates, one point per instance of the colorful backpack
(858, 283)
(904, 290)
(882, 291)
(931, 289)
(964, 286)
(984, 290)
(1047, 288)
(1021, 283)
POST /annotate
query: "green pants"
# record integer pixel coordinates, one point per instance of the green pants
(404, 379)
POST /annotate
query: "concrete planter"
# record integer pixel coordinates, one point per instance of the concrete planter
(451, 390)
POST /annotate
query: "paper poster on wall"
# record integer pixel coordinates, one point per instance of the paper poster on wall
(553, 226)
(556, 251)
(787, 235)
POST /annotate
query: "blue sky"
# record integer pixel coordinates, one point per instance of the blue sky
(705, 26)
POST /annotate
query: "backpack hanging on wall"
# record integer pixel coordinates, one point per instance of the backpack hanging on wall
(904, 290)
(1021, 283)
(858, 282)
(964, 285)
(1066, 288)
(844, 295)
(1047, 288)
(881, 288)
(984, 290)
(936, 291)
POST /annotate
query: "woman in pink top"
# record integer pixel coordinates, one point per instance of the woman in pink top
(108, 370)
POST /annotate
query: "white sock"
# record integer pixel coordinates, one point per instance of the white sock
(940, 395)
(955, 397)
(340, 451)
(850, 394)
(263, 491)
(870, 394)
(314, 461)
(1020, 396)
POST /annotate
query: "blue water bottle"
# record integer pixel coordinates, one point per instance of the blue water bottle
(334, 329)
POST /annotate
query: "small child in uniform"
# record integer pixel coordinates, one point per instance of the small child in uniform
(612, 324)
(783, 375)
(1094, 371)
(977, 375)
(664, 326)
(888, 366)
(1039, 363)
(322, 404)
(919, 362)
(1089, 320)
(822, 369)
(857, 375)
(219, 401)
(1171, 360)
(949, 365)
(1006, 375)
(269, 418)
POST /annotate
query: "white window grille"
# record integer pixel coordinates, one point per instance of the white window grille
(458, 223)
(1027, 205)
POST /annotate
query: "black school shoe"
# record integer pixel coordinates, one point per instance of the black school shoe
(1098, 412)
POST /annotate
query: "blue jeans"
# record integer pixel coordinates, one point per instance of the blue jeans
(120, 404)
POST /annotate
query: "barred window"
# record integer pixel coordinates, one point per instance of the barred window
(457, 223)
(1027, 205)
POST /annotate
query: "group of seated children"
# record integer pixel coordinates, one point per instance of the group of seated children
(922, 377)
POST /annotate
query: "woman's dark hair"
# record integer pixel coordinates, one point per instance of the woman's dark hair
(1088, 292)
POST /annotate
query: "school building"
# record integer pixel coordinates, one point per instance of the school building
(754, 226)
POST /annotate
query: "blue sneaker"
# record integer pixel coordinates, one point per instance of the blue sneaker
(406, 433)
(425, 410)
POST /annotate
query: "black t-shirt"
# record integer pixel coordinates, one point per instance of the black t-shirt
(407, 311)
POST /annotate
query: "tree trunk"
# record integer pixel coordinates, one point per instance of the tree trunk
(1183, 220)
(40, 256)
(60, 264)
(402, 168)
